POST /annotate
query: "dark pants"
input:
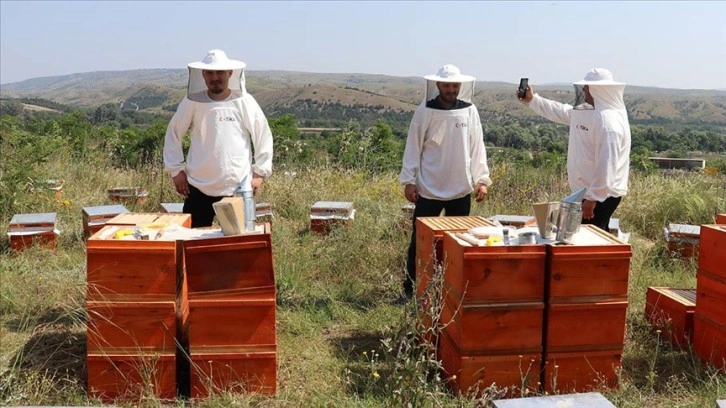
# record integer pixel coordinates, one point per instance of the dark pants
(430, 208)
(199, 205)
(603, 211)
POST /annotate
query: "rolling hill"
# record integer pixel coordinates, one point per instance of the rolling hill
(319, 95)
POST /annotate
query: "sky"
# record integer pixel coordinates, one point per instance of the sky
(667, 44)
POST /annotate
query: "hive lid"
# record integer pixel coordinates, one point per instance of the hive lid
(172, 207)
(684, 230)
(587, 399)
(337, 207)
(104, 210)
(32, 220)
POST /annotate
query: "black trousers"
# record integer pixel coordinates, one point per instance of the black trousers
(430, 208)
(199, 205)
(603, 211)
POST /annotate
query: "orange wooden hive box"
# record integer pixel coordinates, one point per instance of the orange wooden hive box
(325, 215)
(581, 371)
(263, 213)
(95, 217)
(671, 311)
(711, 297)
(26, 230)
(712, 254)
(709, 341)
(233, 322)
(241, 369)
(473, 373)
(241, 264)
(430, 245)
(132, 376)
(721, 219)
(136, 268)
(683, 240)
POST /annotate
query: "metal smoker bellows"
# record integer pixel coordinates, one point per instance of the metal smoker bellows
(244, 190)
(570, 217)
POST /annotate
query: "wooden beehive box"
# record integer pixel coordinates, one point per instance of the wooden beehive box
(131, 219)
(597, 265)
(583, 371)
(595, 325)
(325, 215)
(171, 208)
(131, 326)
(54, 185)
(683, 240)
(712, 253)
(721, 219)
(493, 328)
(26, 230)
(127, 195)
(474, 373)
(128, 376)
(242, 264)
(245, 321)
(493, 274)
(709, 341)
(137, 269)
(671, 311)
(95, 217)
(242, 369)
(405, 218)
(711, 297)
(430, 245)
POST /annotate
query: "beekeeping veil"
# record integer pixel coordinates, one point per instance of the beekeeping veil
(215, 60)
(606, 93)
(450, 73)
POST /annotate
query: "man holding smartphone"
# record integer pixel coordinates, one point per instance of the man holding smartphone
(598, 150)
(444, 161)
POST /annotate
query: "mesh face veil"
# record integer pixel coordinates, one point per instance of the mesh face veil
(580, 102)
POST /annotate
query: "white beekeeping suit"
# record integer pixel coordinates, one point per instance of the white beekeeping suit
(445, 156)
(598, 152)
(223, 133)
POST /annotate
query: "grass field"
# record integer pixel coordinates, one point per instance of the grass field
(341, 340)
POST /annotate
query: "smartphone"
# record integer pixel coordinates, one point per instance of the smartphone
(522, 90)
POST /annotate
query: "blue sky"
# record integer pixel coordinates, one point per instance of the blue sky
(667, 44)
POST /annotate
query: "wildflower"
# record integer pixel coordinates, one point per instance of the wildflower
(376, 375)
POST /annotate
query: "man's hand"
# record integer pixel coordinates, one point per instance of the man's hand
(480, 194)
(256, 182)
(588, 209)
(411, 193)
(528, 95)
(181, 184)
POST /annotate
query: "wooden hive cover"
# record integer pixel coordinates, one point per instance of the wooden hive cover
(438, 225)
(147, 218)
(683, 233)
(588, 399)
(39, 222)
(171, 207)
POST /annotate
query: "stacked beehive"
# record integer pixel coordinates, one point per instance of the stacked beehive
(709, 325)
(492, 315)
(95, 217)
(586, 299)
(325, 215)
(429, 256)
(132, 317)
(228, 323)
(26, 230)
(127, 195)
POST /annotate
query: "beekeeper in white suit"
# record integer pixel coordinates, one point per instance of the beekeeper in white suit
(598, 151)
(445, 160)
(226, 124)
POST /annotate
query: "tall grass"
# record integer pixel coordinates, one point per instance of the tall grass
(341, 341)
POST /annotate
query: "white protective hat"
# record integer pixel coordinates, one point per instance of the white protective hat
(450, 73)
(215, 60)
(598, 76)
